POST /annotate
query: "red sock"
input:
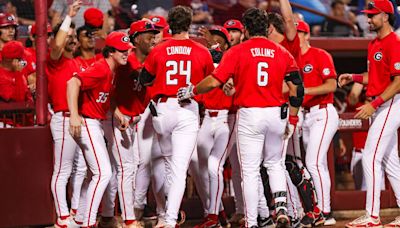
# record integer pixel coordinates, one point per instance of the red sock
(129, 222)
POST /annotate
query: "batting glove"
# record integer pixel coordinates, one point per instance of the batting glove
(185, 93)
(291, 126)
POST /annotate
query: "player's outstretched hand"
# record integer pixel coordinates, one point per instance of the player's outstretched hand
(185, 92)
(345, 79)
(74, 8)
(75, 124)
(365, 111)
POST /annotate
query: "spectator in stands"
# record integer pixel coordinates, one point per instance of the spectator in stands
(334, 28)
(59, 9)
(13, 85)
(24, 11)
(144, 6)
(362, 21)
(234, 12)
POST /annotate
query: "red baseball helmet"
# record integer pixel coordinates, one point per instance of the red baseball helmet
(7, 19)
(221, 31)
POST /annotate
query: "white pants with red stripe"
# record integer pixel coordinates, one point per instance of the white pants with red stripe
(177, 126)
(236, 173)
(260, 136)
(356, 170)
(95, 151)
(120, 144)
(319, 127)
(158, 176)
(110, 194)
(65, 149)
(77, 177)
(212, 150)
(381, 153)
(142, 146)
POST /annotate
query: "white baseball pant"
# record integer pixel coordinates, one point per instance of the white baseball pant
(120, 145)
(142, 146)
(94, 149)
(319, 127)
(260, 130)
(236, 173)
(65, 148)
(78, 175)
(178, 125)
(381, 152)
(110, 194)
(212, 142)
(356, 170)
(158, 176)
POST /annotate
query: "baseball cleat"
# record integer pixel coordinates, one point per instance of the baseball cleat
(265, 222)
(394, 223)
(282, 220)
(181, 218)
(329, 219)
(364, 222)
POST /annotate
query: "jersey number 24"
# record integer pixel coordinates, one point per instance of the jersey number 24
(182, 68)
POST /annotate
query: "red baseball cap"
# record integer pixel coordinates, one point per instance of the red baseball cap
(159, 21)
(33, 29)
(302, 26)
(234, 24)
(219, 30)
(167, 33)
(379, 6)
(7, 19)
(12, 50)
(93, 17)
(119, 41)
(142, 26)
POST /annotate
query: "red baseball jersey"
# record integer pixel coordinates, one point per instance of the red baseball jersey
(96, 86)
(293, 47)
(13, 86)
(58, 73)
(216, 99)
(258, 68)
(130, 97)
(383, 63)
(176, 64)
(317, 66)
(83, 64)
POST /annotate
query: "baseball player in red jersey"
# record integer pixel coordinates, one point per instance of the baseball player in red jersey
(93, 88)
(59, 69)
(320, 123)
(13, 86)
(146, 33)
(131, 100)
(381, 147)
(213, 138)
(236, 31)
(172, 64)
(259, 68)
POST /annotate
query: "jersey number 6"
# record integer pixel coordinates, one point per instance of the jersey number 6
(262, 74)
(178, 69)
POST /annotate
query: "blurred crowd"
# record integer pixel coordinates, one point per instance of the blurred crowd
(343, 17)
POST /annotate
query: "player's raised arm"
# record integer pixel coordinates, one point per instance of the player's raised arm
(287, 14)
(60, 39)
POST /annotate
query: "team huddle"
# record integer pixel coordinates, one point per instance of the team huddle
(155, 105)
